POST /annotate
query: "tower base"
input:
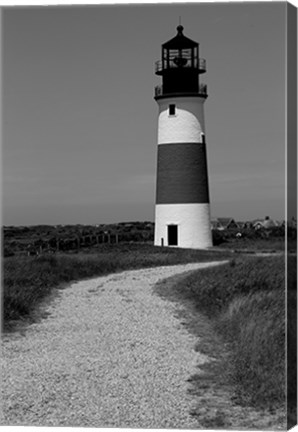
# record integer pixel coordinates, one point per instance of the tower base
(183, 225)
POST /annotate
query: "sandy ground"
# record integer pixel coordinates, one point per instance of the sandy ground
(109, 353)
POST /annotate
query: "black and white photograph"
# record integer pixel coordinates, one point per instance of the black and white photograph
(149, 215)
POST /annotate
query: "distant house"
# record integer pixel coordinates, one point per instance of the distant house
(257, 224)
(266, 223)
(223, 223)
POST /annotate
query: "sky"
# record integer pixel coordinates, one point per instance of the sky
(79, 139)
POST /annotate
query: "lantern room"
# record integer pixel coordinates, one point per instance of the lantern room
(180, 67)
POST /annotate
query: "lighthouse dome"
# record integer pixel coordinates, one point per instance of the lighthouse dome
(180, 41)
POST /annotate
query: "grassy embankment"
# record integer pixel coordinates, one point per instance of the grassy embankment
(27, 280)
(245, 303)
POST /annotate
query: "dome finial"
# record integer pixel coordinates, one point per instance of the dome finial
(180, 29)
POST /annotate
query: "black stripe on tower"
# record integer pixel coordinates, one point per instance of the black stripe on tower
(182, 176)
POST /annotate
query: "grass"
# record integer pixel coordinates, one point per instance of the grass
(245, 303)
(28, 280)
(270, 244)
(254, 324)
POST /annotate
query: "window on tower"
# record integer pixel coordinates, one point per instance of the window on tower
(172, 109)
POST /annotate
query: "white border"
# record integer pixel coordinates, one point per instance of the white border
(8, 3)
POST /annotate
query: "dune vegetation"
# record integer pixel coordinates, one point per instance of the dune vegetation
(245, 302)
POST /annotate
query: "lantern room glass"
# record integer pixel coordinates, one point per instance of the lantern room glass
(179, 58)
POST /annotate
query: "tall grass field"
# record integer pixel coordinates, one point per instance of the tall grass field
(245, 302)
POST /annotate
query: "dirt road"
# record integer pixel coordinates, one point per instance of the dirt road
(110, 353)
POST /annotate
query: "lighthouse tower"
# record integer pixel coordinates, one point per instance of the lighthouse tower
(182, 212)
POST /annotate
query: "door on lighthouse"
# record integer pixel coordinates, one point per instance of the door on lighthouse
(173, 235)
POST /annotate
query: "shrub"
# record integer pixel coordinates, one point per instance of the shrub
(218, 237)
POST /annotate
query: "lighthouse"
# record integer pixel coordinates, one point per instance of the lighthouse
(182, 210)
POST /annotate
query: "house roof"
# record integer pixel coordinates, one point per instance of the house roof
(269, 223)
(266, 223)
(225, 221)
(222, 221)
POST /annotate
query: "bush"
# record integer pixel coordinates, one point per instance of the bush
(218, 237)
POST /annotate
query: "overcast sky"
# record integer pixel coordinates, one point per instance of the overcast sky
(80, 121)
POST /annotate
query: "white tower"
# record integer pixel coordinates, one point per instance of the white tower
(182, 212)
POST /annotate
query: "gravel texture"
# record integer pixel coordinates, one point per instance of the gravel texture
(110, 353)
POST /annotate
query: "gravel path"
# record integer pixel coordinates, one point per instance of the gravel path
(109, 354)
